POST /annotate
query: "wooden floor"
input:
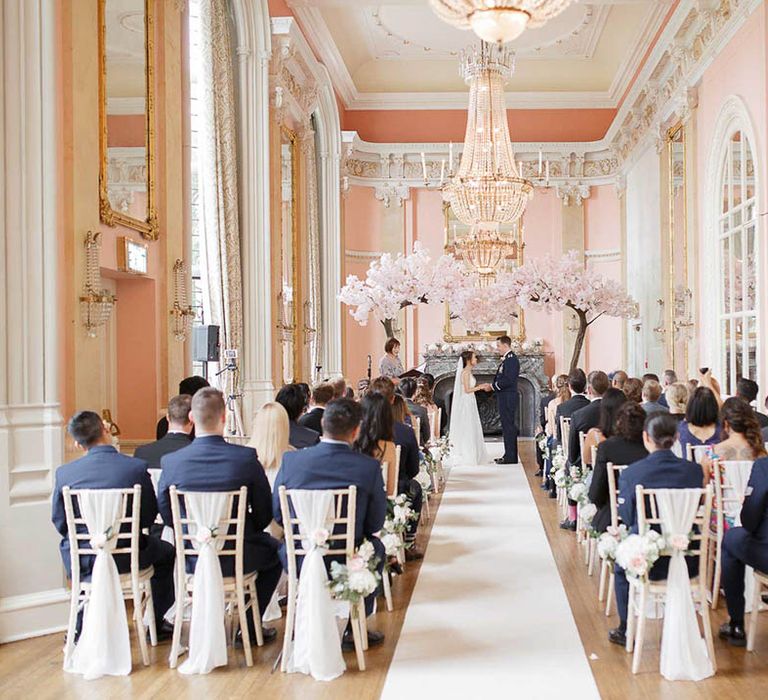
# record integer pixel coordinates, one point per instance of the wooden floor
(32, 668)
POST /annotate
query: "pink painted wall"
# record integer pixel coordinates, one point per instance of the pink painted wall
(443, 125)
(126, 130)
(741, 69)
(602, 226)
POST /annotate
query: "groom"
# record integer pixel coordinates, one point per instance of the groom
(505, 386)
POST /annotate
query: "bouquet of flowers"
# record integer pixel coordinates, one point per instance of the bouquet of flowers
(609, 541)
(578, 492)
(399, 514)
(357, 578)
(440, 448)
(560, 474)
(637, 554)
(541, 441)
(392, 542)
(429, 462)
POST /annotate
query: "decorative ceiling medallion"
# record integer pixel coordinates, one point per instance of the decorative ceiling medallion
(394, 33)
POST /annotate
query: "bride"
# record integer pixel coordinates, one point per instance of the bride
(466, 431)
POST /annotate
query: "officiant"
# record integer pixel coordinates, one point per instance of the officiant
(390, 365)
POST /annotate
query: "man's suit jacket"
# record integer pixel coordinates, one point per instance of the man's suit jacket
(409, 453)
(582, 420)
(659, 470)
(566, 410)
(663, 400)
(102, 468)
(331, 465)
(507, 374)
(161, 430)
(654, 407)
(153, 452)
(543, 408)
(754, 512)
(420, 412)
(313, 420)
(210, 463)
(301, 437)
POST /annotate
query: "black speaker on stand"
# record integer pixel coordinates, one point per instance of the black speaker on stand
(205, 346)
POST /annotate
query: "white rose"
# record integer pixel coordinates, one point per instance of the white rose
(680, 542)
(588, 512)
(363, 582)
(320, 537)
(99, 541)
(365, 551)
(203, 535)
(391, 544)
(399, 514)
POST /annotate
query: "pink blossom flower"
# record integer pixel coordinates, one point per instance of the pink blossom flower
(356, 564)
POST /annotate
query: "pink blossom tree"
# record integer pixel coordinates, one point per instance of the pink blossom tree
(552, 284)
(393, 283)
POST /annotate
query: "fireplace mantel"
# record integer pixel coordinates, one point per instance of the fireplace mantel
(533, 383)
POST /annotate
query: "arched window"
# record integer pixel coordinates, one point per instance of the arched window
(737, 256)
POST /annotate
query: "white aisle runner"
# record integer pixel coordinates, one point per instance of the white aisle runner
(489, 617)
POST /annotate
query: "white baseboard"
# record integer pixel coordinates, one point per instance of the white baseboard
(33, 614)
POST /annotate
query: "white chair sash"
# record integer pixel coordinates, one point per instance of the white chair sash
(683, 651)
(736, 476)
(207, 634)
(104, 648)
(316, 649)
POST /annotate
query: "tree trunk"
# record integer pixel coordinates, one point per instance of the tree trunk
(579, 342)
(388, 324)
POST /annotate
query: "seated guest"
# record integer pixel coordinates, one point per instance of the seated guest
(633, 388)
(619, 378)
(613, 400)
(410, 457)
(562, 394)
(312, 419)
(669, 378)
(390, 365)
(210, 463)
(624, 445)
(660, 470)
(103, 467)
(700, 426)
(349, 393)
(547, 396)
(188, 387)
(377, 431)
(430, 382)
(307, 392)
(293, 400)
(339, 387)
(747, 390)
(650, 377)
(651, 394)
(178, 435)
(408, 387)
(586, 418)
(745, 546)
(676, 396)
(269, 437)
(740, 431)
(334, 465)
(577, 383)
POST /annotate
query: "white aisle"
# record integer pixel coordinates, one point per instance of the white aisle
(489, 617)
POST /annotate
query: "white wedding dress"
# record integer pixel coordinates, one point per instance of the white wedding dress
(466, 431)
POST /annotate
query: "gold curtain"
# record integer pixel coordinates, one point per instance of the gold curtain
(220, 248)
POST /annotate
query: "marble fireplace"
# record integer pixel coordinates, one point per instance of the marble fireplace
(532, 384)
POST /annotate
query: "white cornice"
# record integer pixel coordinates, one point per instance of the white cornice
(126, 105)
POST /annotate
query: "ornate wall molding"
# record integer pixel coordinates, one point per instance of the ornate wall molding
(363, 254)
(603, 256)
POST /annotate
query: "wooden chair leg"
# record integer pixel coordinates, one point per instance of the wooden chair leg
(707, 624)
(138, 619)
(358, 637)
(387, 585)
(178, 621)
(716, 578)
(150, 608)
(592, 555)
(609, 594)
(69, 646)
(290, 618)
(242, 614)
(256, 613)
(640, 630)
(363, 618)
(756, 599)
(631, 621)
(603, 580)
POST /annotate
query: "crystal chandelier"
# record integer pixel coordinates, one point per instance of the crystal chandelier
(487, 190)
(498, 20)
(95, 304)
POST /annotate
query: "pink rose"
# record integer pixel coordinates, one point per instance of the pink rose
(356, 564)
(679, 542)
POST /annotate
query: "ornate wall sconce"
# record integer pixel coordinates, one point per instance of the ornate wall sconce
(182, 314)
(682, 320)
(660, 330)
(95, 302)
(309, 332)
(285, 312)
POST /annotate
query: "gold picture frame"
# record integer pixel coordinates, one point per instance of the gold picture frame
(149, 227)
(450, 335)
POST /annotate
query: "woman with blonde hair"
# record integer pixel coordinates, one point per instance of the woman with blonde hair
(562, 394)
(677, 399)
(269, 437)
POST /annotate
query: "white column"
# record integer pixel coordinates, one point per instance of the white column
(253, 52)
(32, 597)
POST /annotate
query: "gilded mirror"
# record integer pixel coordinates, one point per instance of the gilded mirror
(677, 193)
(455, 330)
(126, 115)
(287, 297)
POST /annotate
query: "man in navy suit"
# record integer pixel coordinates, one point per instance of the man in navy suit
(313, 419)
(577, 383)
(585, 418)
(745, 546)
(293, 399)
(410, 459)
(212, 464)
(178, 435)
(505, 386)
(333, 465)
(103, 467)
(660, 470)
